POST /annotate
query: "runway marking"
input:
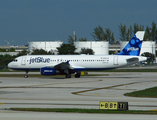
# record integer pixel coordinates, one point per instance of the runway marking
(76, 93)
(121, 89)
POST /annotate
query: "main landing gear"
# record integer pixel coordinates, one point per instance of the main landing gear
(68, 76)
(26, 75)
(78, 74)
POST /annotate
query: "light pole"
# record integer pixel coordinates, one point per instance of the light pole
(8, 44)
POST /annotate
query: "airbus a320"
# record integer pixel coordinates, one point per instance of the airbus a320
(74, 64)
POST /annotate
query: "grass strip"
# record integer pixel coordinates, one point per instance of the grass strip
(112, 70)
(131, 70)
(38, 75)
(75, 110)
(149, 93)
(19, 75)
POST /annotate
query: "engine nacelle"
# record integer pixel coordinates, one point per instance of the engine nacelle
(48, 71)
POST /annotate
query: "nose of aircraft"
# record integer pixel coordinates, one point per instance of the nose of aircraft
(9, 65)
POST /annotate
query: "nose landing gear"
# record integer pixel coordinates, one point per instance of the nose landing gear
(26, 75)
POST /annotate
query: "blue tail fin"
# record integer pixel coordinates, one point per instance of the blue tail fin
(133, 48)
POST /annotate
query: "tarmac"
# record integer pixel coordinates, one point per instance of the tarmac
(84, 92)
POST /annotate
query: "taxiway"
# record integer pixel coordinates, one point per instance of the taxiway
(84, 92)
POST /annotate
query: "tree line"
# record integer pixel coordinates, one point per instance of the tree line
(125, 34)
(5, 59)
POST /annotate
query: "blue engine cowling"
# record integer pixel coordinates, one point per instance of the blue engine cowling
(48, 71)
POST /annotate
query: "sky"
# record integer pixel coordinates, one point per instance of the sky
(23, 21)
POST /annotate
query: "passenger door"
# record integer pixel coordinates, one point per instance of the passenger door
(115, 60)
(23, 61)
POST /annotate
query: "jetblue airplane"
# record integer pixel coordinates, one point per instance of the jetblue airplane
(73, 64)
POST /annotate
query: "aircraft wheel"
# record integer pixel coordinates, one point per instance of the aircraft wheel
(26, 76)
(68, 75)
(77, 75)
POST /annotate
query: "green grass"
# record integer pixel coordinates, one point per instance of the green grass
(150, 93)
(38, 75)
(131, 70)
(20, 75)
(112, 70)
(75, 110)
(5, 70)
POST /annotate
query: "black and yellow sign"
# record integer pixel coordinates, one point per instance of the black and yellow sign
(113, 105)
(123, 106)
(1, 103)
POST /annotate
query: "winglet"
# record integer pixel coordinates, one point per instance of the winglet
(68, 62)
(133, 48)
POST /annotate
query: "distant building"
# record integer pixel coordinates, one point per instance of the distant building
(99, 47)
(45, 45)
(9, 53)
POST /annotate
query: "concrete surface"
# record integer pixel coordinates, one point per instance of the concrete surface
(71, 116)
(84, 92)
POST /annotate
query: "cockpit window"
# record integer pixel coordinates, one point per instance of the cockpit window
(15, 60)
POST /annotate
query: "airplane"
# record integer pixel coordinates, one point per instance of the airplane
(74, 64)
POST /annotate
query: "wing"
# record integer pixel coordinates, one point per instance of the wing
(63, 67)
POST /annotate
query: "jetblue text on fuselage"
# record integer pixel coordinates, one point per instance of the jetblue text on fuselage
(39, 60)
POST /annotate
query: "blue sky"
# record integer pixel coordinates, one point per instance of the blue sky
(23, 21)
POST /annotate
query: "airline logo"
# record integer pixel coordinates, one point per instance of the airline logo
(132, 48)
(39, 60)
(48, 70)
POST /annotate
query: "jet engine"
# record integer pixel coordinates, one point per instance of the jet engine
(48, 71)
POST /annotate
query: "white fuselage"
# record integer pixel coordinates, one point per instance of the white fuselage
(78, 62)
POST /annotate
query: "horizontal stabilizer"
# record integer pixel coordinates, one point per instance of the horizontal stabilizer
(132, 60)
